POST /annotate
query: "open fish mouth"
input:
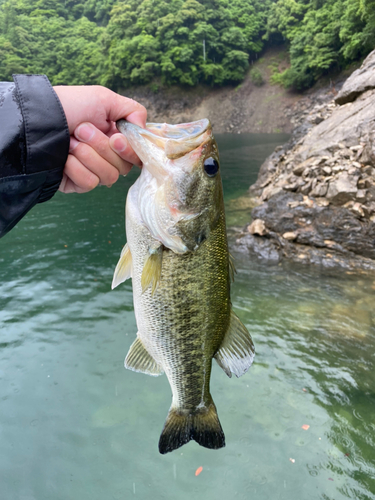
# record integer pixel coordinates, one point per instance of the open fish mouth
(172, 157)
(160, 142)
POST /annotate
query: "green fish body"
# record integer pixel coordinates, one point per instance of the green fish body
(177, 256)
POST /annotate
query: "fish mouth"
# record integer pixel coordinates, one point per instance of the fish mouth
(160, 142)
(170, 154)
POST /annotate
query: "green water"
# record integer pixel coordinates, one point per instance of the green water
(75, 425)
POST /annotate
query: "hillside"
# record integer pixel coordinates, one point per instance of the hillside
(248, 107)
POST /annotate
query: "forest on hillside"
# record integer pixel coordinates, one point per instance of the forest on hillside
(118, 43)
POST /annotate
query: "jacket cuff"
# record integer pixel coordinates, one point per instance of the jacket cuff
(46, 128)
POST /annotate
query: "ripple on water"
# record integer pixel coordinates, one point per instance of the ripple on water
(71, 412)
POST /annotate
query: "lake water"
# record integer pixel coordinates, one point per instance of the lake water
(75, 425)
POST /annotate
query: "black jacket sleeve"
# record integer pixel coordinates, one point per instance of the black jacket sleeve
(34, 145)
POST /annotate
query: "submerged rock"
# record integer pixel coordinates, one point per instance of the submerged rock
(316, 194)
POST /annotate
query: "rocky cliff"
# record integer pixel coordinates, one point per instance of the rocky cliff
(315, 196)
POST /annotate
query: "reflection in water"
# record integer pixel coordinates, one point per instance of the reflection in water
(76, 425)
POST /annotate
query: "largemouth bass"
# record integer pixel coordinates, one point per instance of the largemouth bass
(177, 255)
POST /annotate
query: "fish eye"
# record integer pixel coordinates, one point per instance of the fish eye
(211, 167)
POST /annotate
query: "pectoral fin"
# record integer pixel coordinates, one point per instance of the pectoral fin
(237, 351)
(152, 269)
(123, 269)
(139, 360)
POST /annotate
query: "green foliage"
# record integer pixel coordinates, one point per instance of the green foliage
(119, 43)
(41, 37)
(207, 41)
(323, 35)
(126, 42)
(256, 77)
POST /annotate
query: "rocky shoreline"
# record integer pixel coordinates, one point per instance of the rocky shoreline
(315, 196)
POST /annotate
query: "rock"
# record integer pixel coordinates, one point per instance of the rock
(361, 195)
(358, 210)
(322, 202)
(308, 202)
(290, 236)
(370, 195)
(348, 124)
(257, 227)
(346, 153)
(342, 189)
(317, 193)
(306, 188)
(353, 171)
(270, 191)
(337, 168)
(263, 248)
(361, 80)
(319, 190)
(299, 169)
(369, 209)
(330, 243)
(315, 223)
(368, 170)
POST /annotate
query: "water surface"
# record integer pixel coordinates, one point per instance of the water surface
(75, 425)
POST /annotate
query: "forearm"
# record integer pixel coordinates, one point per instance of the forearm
(34, 144)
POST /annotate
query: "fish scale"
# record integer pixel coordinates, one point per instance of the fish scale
(191, 294)
(177, 255)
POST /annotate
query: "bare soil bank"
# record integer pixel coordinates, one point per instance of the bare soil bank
(244, 108)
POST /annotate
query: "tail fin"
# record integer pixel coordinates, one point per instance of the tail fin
(201, 425)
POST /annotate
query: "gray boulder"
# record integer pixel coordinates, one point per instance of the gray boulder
(342, 189)
(360, 81)
(349, 124)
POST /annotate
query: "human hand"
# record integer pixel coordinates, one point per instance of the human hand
(98, 154)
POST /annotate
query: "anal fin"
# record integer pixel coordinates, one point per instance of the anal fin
(123, 269)
(237, 351)
(139, 360)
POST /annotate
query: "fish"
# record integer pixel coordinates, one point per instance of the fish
(177, 256)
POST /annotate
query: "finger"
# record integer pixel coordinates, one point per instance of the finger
(90, 135)
(127, 108)
(70, 187)
(120, 144)
(63, 183)
(107, 173)
(98, 105)
(83, 178)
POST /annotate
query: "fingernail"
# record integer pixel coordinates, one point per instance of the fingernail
(119, 144)
(73, 144)
(109, 185)
(84, 132)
